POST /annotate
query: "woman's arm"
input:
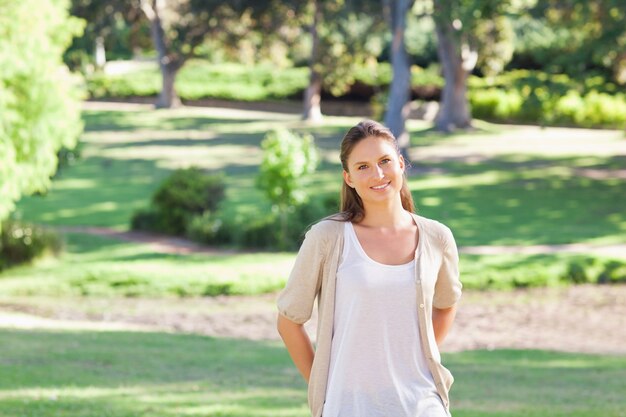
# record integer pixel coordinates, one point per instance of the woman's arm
(442, 322)
(298, 345)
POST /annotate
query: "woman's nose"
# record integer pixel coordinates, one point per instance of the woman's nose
(379, 172)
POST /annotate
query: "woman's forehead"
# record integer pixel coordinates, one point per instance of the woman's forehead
(372, 147)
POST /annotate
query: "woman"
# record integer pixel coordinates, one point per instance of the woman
(386, 282)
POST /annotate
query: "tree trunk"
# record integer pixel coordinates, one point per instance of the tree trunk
(168, 64)
(167, 97)
(454, 110)
(100, 53)
(312, 97)
(399, 92)
(311, 107)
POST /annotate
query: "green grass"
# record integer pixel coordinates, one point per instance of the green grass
(199, 79)
(96, 266)
(503, 199)
(104, 267)
(124, 374)
(525, 200)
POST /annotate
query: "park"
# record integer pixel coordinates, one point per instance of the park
(122, 293)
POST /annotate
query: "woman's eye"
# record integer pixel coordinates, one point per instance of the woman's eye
(386, 160)
(362, 167)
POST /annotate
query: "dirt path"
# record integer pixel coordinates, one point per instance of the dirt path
(586, 318)
(174, 245)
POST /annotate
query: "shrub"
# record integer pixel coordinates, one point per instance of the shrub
(146, 219)
(576, 273)
(603, 110)
(260, 232)
(22, 243)
(496, 104)
(184, 194)
(209, 228)
(287, 159)
(613, 272)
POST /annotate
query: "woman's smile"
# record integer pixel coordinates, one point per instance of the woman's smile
(381, 187)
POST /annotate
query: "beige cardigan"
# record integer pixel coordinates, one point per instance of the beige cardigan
(313, 276)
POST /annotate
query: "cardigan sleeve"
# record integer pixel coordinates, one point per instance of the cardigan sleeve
(448, 286)
(295, 301)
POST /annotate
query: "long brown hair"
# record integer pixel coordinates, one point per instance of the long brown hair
(351, 205)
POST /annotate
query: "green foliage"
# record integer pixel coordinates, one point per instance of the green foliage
(349, 38)
(287, 159)
(199, 79)
(582, 270)
(39, 104)
(614, 272)
(538, 97)
(22, 243)
(184, 194)
(261, 231)
(495, 38)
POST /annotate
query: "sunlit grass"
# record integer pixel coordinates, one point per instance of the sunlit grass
(494, 198)
(124, 374)
(95, 266)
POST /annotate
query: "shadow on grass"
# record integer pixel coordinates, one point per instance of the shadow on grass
(96, 192)
(103, 120)
(536, 383)
(511, 201)
(128, 373)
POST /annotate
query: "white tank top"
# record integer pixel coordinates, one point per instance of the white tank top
(377, 368)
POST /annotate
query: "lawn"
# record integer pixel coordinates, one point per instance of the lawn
(560, 187)
(527, 196)
(487, 194)
(124, 374)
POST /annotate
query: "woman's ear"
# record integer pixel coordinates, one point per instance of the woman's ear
(402, 164)
(346, 178)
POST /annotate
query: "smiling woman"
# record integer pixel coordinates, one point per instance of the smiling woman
(386, 282)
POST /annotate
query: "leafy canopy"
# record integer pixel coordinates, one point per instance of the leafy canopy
(39, 104)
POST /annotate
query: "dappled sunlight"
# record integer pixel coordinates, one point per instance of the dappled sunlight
(134, 373)
(71, 213)
(97, 266)
(105, 138)
(173, 157)
(74, 184)
(123, 374)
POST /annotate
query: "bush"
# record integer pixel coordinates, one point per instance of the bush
(209, 228)
(591, 270)
(22, 243)
(496, 104)
(613, 272)
(260, 232)
(184, 194)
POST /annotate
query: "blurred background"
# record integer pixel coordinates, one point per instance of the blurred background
(160, 161)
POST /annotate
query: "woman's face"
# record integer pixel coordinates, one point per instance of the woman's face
(375, 170)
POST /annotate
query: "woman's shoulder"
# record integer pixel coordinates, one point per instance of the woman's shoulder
(328, 225)
(435, 228)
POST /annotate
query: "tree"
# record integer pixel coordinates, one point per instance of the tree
(400, 90)
(595, 32)
(114, 25)
(287, 159)
(177, 28)
(312, 95)
(344, 38)
(466, 30)
(39, 102)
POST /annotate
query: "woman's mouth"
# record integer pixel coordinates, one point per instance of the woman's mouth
(380, 187)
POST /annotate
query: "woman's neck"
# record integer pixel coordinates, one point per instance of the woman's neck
(386, 216)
